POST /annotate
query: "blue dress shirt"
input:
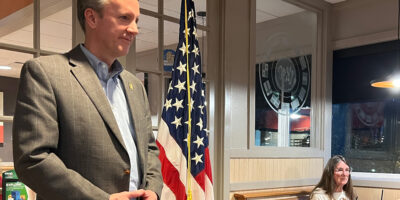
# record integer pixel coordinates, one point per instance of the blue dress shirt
(113, 88)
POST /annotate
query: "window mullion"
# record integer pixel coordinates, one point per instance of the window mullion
(36, 27)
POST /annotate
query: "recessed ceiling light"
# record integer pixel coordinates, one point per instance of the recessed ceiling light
(5, 67)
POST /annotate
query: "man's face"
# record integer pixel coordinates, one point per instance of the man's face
(117, 28)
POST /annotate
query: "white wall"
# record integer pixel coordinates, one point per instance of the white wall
(361, 22)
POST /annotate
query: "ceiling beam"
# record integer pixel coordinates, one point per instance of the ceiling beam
(8, 7)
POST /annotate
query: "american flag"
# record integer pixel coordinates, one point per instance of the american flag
(174, 125)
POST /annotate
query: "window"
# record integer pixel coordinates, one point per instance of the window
(17, 24)
(18, 43)
(8, 96)
(56, 26)
(365, 121)
(149, 5)
(285, 47)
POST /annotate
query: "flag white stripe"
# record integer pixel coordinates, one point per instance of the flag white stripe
(197, 191)
(167, 193)
(209, 189)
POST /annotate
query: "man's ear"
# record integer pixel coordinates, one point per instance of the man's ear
(91, 18)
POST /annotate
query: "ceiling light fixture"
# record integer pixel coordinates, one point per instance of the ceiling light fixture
(5, 67)
(393, 80)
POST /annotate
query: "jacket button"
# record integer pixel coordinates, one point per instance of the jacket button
(127, 171)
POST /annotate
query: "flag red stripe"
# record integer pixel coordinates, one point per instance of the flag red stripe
(200, 180)
(171, 175)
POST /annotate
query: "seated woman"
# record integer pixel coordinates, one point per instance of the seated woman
(335, 183)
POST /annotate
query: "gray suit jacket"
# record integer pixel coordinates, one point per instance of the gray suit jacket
(67, 144)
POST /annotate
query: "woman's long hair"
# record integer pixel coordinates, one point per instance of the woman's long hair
(328, 183)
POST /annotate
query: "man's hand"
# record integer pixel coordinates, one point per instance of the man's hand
(127, 195)
(149, 195)
(145, 194)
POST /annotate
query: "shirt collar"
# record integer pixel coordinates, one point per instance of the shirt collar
(100, 67)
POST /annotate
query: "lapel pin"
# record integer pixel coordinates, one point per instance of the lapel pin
(130, 86)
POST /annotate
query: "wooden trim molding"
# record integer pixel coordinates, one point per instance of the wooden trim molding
(6, 118)
(291, 193)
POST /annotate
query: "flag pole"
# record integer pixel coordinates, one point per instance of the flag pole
(189, 135)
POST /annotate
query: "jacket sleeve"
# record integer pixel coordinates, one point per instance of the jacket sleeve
(35, 141)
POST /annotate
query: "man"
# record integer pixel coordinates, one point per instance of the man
(82, 127)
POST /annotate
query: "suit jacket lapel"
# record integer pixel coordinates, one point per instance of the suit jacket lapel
(89, 81)
(131, 93)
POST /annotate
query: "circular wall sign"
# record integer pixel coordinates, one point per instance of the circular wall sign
(285, 82)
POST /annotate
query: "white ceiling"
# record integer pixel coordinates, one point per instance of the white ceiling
(271, 9)
(56, 27)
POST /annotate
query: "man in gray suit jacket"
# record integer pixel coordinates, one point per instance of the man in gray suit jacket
(82, 127)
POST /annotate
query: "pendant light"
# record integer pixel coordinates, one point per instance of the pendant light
(393, 80)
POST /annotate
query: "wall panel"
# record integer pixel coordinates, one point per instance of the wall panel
(262, 170)
(365, 193)
(236, 71)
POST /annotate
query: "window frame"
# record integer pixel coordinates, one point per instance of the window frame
(320, 92)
